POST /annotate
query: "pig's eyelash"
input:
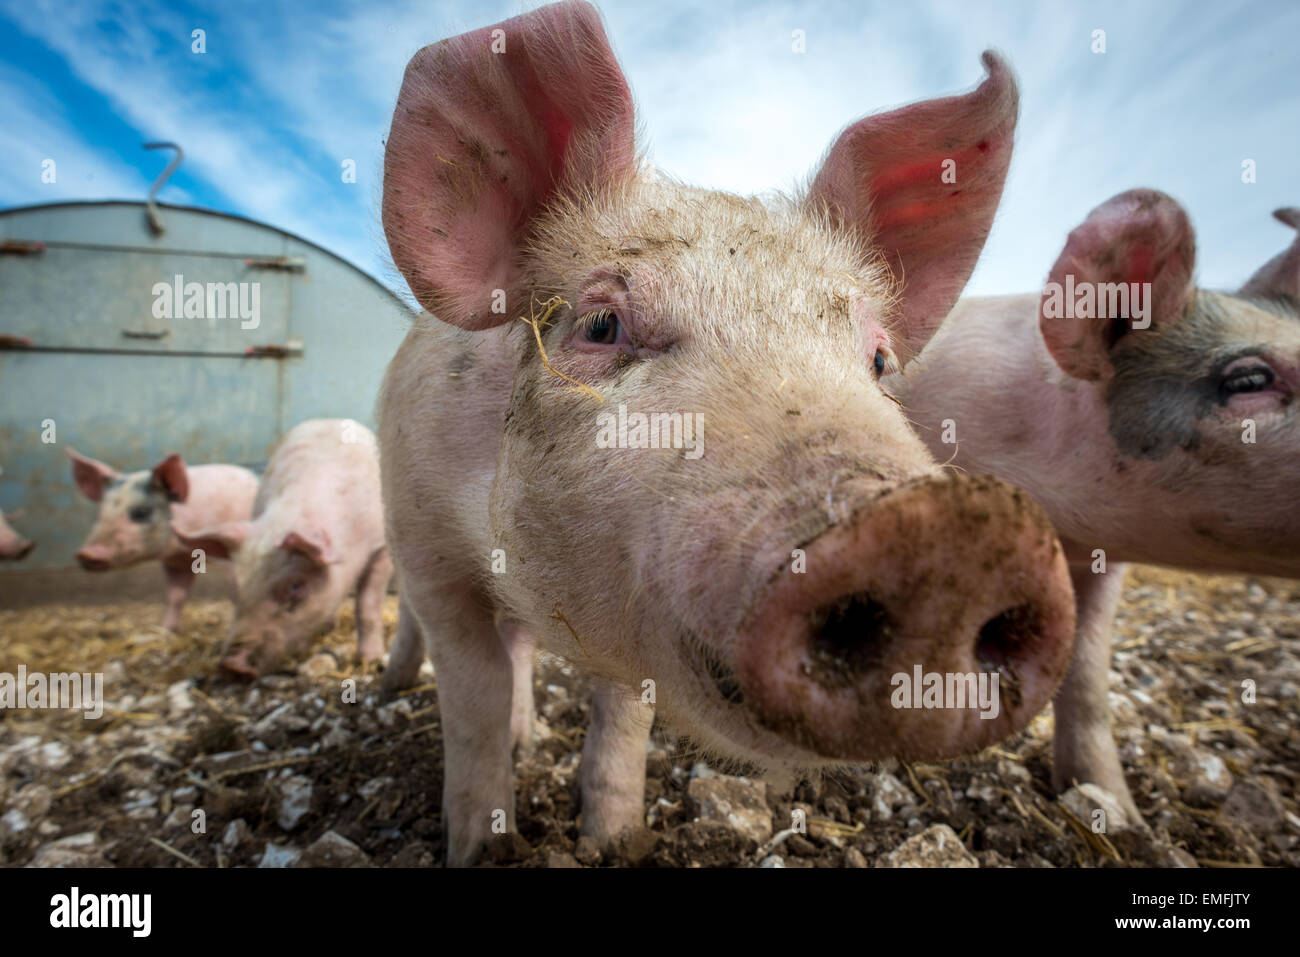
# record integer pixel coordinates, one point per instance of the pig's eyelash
(588, 319)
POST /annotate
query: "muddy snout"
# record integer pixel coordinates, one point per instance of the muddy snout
(254, 655)
(94, 558)
(934, 622)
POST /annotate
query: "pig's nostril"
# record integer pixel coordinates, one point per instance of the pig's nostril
(1005, 641)
(850, 634)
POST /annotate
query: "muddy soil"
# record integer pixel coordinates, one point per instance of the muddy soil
(311, 767)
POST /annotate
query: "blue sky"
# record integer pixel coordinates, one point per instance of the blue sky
(287, 91)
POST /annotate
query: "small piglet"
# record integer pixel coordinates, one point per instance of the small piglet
(1154, 421)
(13, 546)
(768, 565)
(316, 534)
(136, 510)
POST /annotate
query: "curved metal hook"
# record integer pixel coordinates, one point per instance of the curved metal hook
(155, 221)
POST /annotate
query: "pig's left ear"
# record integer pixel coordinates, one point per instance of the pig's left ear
(315, 546)
(1141, 236)
(1280, 276)
(171, 476)
(922, 183)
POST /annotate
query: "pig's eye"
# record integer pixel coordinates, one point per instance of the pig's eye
(1248, 379)
(140, 513)
(879, 363)
(602, 328)
(291, 595)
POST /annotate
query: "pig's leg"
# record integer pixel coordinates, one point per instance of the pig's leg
(179, 582)
(406, 655)
(371, 590)
(475, 675)
(520, 646)
(613, 762)
(1084, 746)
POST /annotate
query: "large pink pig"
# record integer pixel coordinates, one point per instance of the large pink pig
(136, 509)
(316, 535)
(1155, 422)
(12, 545)
(766, 564)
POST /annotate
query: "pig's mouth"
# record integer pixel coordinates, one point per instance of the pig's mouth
(704, 661)
(94, 564)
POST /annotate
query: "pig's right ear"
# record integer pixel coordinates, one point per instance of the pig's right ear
(91, 475)
(490, 126)
(1141, 236)
(921, 184)
(220, 541)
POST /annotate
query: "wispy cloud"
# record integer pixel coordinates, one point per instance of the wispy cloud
(283, 96)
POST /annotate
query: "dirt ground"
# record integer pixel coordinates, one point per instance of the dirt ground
(286, 771)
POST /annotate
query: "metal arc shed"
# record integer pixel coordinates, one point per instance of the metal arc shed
(210, 339)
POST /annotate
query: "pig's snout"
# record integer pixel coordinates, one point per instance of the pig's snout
(19, 550)
(934, 622)
(93, 558)
(237, 663)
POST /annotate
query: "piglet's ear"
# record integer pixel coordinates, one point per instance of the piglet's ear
(315, 546)
(91, 475)
(1280, 276)
(489, 127)
(921, 184)
(1141, 236)
(171, 476)
(220, 541)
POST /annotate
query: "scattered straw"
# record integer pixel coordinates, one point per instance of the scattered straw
(175, 853)
(265, 766)
(555, 302)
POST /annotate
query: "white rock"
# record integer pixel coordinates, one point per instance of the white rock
(295, 801)
(1088, 798)
(277, 855)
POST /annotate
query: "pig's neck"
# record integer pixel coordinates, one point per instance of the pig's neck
(987, 376)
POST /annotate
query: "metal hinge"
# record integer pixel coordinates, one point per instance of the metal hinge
(275, 350)
(287, 263)
(22, 247)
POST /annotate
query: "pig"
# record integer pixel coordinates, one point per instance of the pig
(136, 510)
(13, 547)
(1164, 433)
(756, 575)
(316, 534)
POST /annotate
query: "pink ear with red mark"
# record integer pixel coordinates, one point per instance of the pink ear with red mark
(316, 547)
(220, 541)
(171, 476)
(482, 140)
(91, 475)
(1139, 236)
(1280, 276)
(884, 179)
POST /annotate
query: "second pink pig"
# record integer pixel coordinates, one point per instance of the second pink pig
(317, 533)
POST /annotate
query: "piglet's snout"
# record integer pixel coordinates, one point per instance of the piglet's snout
(946, 582)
